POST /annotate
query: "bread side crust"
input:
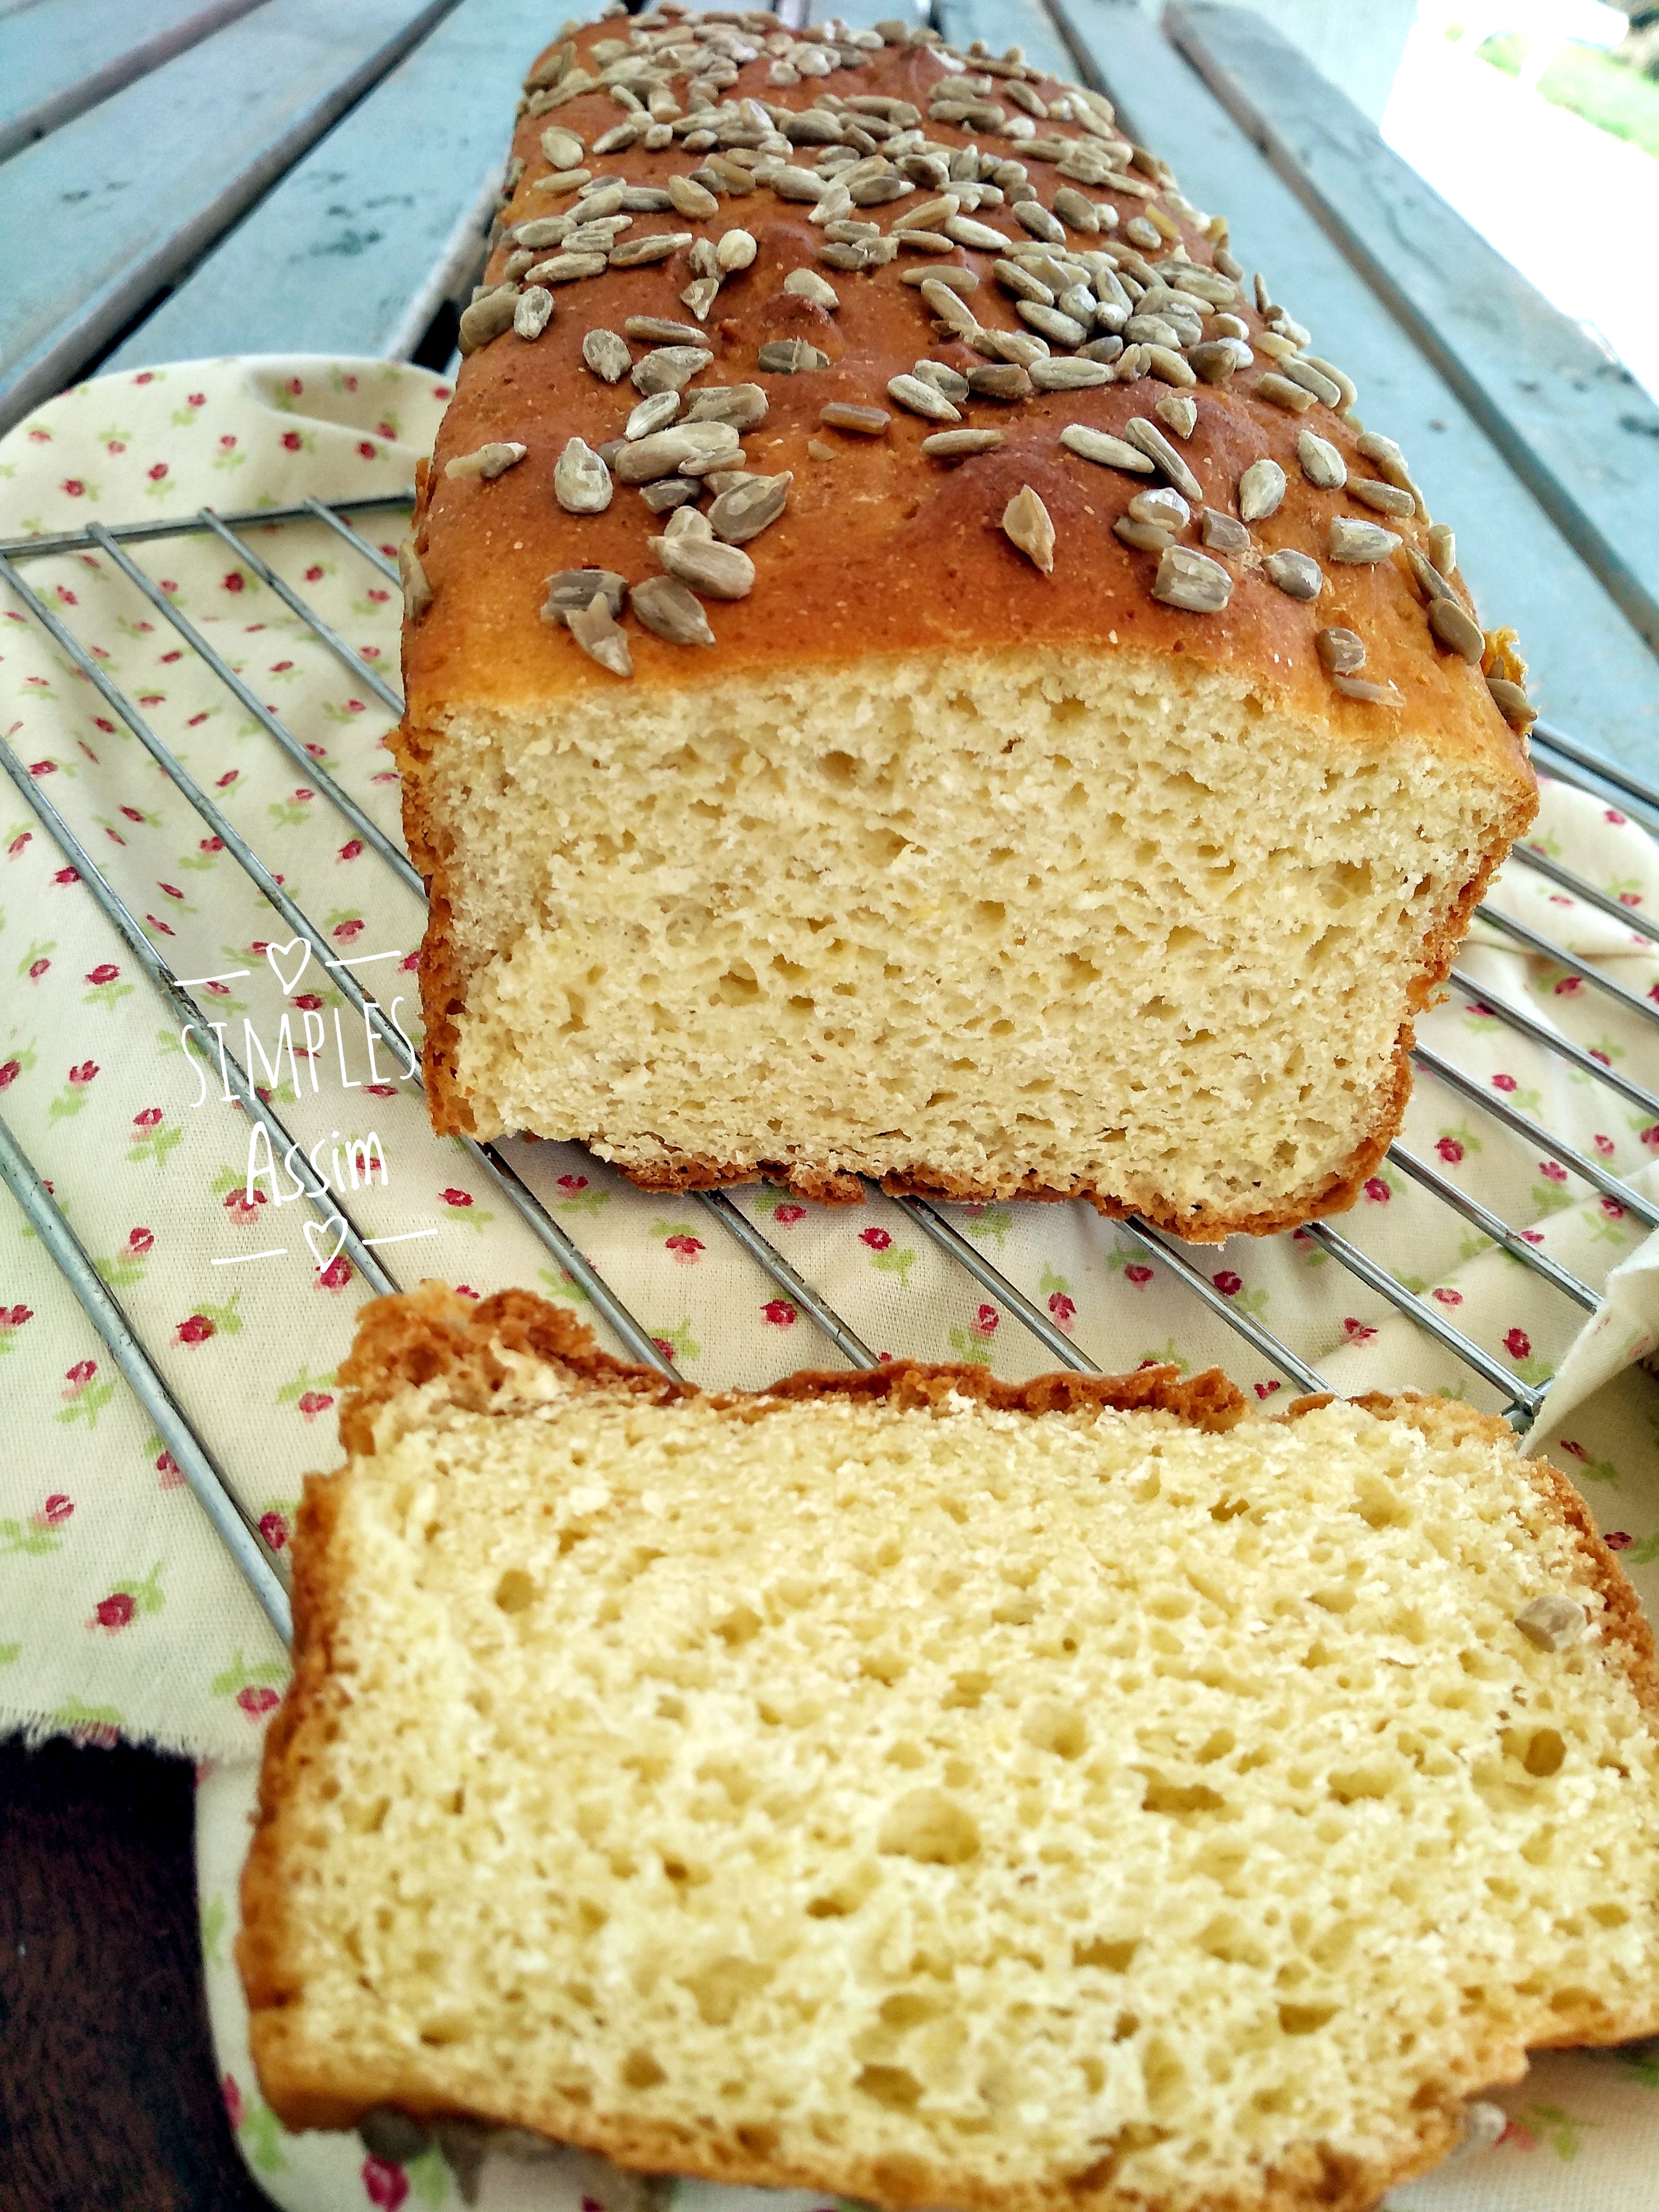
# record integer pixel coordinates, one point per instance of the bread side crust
(431, 1336)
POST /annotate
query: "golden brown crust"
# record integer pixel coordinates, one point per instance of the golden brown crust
(431, 1335)
(481, 648)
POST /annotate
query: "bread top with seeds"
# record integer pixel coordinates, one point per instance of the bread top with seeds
(729, 175)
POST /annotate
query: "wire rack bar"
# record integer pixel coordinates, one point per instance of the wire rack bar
(1527, 1025)
(369, 829)
(188, 525)
(1491, 1224)
(1270, 1346)
(794, 1285)
(353, 660)
(1548, 949)
(1526, 857)
(1524, 1399)
(331, 515)
(258, 1565)
(189, 1015)
(1609, 772)
(951, 1242)
(1536, 1133)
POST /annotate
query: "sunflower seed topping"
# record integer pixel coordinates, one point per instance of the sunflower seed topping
(1431, 583)
(954, 445)
(1360, 544)
(1063, 330)
(488, 317)
(1065, 374)
(1457, 629)
(1321, 463)
(632, 252)
(700, 295)
(1032, 216)
(1553, 1622)
(1162, 505)
(947, 273)
(687, 522)
(1442, 547)
(842, 415)
(949, 382)
(1223, 533)
(1298, 575)
(962, 230)
(487, 461)
(742, 406)
(921, 399)
(1368, 694)
(748, 508)
(653, 330)
(668, 492)
(1076, 208)
(689, 198)
(1292, 398)
(720, 572)
(1000, 381)
(736, 249)
(581, 482)
(789, 357)
(1145, 536)
(1110, 453)
(1192, 580)
(1512, 702)
(807, 284)
(1341, 651)
(417, 591)
(568, 268)
(1026, 521)
(1158, 449)
(687, 449)
(655, 413)
(1387, 499)
(671, 611)
(670, 368)
(563, 149)
(1180, 412)
(533, 312)
(606, 356)
(1302, 371)
(594, 628)
(572, 589)
(1260, 490)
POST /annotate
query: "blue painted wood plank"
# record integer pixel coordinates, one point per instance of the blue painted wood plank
(1574, 426)
(59, 57)
(1593, 672)
(357, 247)
(98, 218)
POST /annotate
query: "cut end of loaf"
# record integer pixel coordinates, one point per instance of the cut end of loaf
(1058, 923)
(876, 1788)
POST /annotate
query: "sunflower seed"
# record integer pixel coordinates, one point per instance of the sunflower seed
(533, 312)
(1553, 1622)
(1081, 213)
(687, 522)
(722, 572)
(487, 318)
(790, 356)
(1442, 547)
(1026, 521)
(1150, 330)
(1160, 506)
(742, 512)
(1221, 531)
(950, 383)
(692, 198)
(1214, 361)
(1369, 695)
(541, 230)
(1106, 350)
(633, 253)
(1387, 499)
(921, 399)
(792, 184)
(671, 611)
(1021, 347)
(487, 461)
(563, 149)
(581, 482)
(687, 449)
(1457, 629)
(646, 199)
(1260, 490)
(953, 445)
(1110, 453)
(923, 241)
(606, 355)
(1167, 366)
(807, 284)
(1069, 374)
(1298, 575)
(572, 589)
(516, 265)
(1359, 544)
(669, 368)
(734, 250)
(742, 406)
(568, 267)
(1145, 536)
(1180, 412)
(1321, 464)
(1192, 580)
(1341, 651)
(841, 415)
(1512, 702)
(958, 280)
(701, 294)
(417, 591)
(619, 135)
(1023, 284)
(603, 201)
(594, 628)
(1301, 371)
(1292, 398)
(562, 180)
(1431, 583)
(654, 413)
(962, 230)
(552, 68)
(1348, 390)
(1153, 443)
(668, 493)
(1064, 329)
(1032, 216)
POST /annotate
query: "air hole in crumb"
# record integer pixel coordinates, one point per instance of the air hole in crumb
(640, 2070)
(930, 1828)
(895, 2087)
(515, 1590)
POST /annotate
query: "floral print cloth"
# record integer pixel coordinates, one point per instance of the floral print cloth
(118, 1613)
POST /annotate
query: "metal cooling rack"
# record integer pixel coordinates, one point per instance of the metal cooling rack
(1563, 758)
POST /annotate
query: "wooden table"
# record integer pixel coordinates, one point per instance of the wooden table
(299, 176)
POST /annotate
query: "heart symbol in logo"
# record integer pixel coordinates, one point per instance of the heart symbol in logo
(316, 1229)
(277, 953)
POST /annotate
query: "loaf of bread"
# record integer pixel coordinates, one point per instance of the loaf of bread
(914, 668)
(1091, 1795)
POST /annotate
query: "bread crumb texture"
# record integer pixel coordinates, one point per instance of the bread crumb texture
(907, 1796)
(1056, 922)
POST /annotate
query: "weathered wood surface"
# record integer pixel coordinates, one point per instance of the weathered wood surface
(59, 57)
(1593, 671)
(130, 194)
(359, 244)
(1575, 427)
(1005, 23)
